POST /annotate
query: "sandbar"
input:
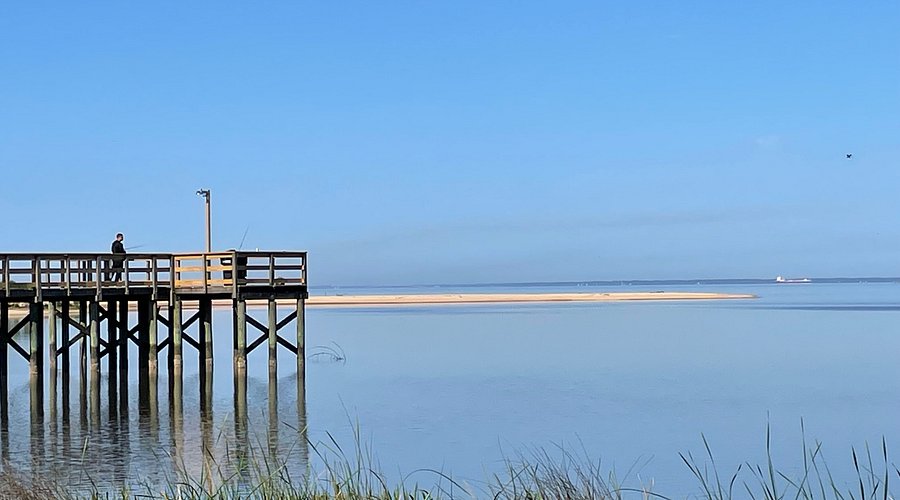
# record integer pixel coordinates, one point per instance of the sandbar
(350, 301)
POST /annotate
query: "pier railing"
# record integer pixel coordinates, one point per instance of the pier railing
(203, 272)
(239, 269)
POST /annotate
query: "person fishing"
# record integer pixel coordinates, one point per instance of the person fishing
(118, 259)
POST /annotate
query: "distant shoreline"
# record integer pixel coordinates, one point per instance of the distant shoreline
(352, 301)
(511, 298)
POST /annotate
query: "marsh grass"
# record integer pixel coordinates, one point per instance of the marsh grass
(352, 472)
(814, 481)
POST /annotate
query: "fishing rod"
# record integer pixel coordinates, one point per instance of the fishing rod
(244, 237)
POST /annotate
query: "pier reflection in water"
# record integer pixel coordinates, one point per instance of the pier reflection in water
(89, 432)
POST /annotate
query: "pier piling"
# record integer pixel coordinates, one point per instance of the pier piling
(36, 329)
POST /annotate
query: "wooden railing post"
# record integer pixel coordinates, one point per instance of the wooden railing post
(205, 274)
(68, 270)
(6, 274)
(125, 272)
(153, 280)
(235, 274)
(99, 279)
(36, 276)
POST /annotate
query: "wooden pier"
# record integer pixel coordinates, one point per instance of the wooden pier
(87, 305)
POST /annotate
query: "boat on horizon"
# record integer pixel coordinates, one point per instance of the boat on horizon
(782, 279)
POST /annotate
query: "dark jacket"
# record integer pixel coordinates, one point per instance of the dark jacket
(118, 248)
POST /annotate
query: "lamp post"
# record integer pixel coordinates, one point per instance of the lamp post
(206, 195)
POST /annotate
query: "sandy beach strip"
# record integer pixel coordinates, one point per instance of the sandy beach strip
(350, 301)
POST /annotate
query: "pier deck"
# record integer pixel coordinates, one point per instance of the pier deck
(157, 285)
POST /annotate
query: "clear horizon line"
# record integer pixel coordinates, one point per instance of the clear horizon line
(611, 281)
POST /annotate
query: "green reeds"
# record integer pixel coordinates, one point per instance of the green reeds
(256, 471)
(814, 481)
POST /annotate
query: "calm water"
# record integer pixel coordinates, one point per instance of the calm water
(459, 388)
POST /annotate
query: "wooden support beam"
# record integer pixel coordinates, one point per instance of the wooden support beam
(19, 349)
(82, 324)
(274, 421)
(143, 328)
(137, 341)
(290, 347)
(240, 334)
(4, 350)
(170, 355)
(123, 342)
(112, 349)
(234, 331)
(95, 391)
(190, 340)
(64, 342)
(36, 393)
(72, 341)
(206, 335)
(240, 414)
(273, 332)
(81, 327)
(175, 333)
(51, 323)
(94, 318)
(20, 325)
(152, 333)
(256, 343)
(36, 329)
(191, 320)
(301, 341)
(255, 323)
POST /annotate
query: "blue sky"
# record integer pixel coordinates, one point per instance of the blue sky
(416, 142)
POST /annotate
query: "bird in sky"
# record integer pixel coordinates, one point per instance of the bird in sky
(849, 155)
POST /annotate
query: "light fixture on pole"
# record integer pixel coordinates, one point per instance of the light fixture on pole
(206, 195)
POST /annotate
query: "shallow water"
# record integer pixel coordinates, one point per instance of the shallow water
(459, 388)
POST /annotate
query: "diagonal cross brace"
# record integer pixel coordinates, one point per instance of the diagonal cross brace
(256, 324)
(14, 330)
(256, 343)
(287, 319)
(78, 325)
(278, 326)
(290, 347)
(72, 341)
(278, 338)
(190, 321)
(19, 349)
(190, 340)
